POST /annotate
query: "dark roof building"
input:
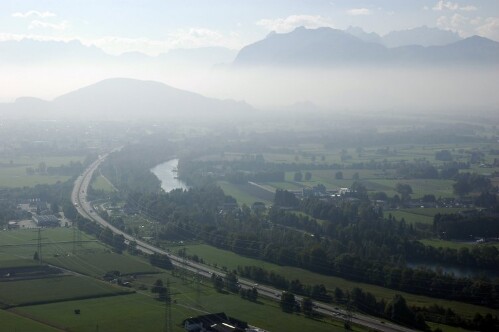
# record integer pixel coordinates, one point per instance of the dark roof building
(218, 322)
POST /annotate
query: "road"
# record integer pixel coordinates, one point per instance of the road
(79, 198)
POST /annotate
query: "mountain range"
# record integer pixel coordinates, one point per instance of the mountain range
(422, 36)
(322, 45)
(124, 99)
(327, 46)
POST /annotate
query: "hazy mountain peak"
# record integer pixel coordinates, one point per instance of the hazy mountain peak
(308, 46)
(422, 36)
(369, 37)
(128, 99)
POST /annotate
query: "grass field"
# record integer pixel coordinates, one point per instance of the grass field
(141, 312)
(411, 218)
(231, 260)
(101, 183)
(56, 242)
(11, 322)
(91, 258)
(97, 262)
(54, 289)
(13, 170)
(418, 215)
(245, 194)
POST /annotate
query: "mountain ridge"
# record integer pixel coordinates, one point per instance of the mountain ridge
(125, 98)
(327, 46)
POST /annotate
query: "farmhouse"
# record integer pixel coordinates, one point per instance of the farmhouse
(46, 220)
(218, 322)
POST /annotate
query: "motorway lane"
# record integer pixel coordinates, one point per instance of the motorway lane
(84, 207)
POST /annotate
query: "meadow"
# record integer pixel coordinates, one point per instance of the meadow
(99, 309)
(142, 312)
(13, 170)
(55, 289)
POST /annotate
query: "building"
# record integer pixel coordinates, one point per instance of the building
(218, 322)
(46, 220)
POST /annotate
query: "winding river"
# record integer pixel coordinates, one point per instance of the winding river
(167, 174)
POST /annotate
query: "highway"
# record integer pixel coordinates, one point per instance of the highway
(79, 198)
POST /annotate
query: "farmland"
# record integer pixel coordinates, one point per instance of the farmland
(13, 171)
(52, 300)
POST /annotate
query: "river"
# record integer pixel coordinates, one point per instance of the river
(167, 174)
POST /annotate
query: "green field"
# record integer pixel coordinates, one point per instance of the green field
(245, 194)
(97, 262)
(22, 244)
(411, 218)
(229, 260)
(15, 293)
(141, 312)
(420, 215)
(13, 171)
(12, 322)
(90, 258)
(101, 183)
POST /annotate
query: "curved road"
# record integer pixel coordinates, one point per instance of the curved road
(79, 198)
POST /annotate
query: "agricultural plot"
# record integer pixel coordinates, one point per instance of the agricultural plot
(246, 194)
(97, 262)
(13, 171)
(411, 218)
(142, 312)
(90, 257)
(102, 184)
(55, 289)
(13, 322)
(56, 242)
(420, 215)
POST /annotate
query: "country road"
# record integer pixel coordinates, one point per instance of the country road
(79, 198)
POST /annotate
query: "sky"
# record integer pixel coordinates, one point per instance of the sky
(156, 26)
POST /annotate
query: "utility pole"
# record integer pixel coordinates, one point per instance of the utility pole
(73, 224)
(39, 245)
(348, 316)
(168, 308)
(198, 288)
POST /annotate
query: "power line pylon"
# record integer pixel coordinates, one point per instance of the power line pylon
(348, 316)
(39, 245)
(168, 308)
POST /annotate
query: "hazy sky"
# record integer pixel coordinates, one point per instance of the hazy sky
(154, 26)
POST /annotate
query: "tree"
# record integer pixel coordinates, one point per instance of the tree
(118, 243)
(231, 282)
(308, 176)
(161, 261)
(307, 306)
(132, 247)
(338, 294)
(35, 256)
(443, 155)
(288, 302)
(218, 282)
(54, 207)
(398, 311)
(298, 176)
(160, 289)
(338, 175)
(158, 285)
(405, 191)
